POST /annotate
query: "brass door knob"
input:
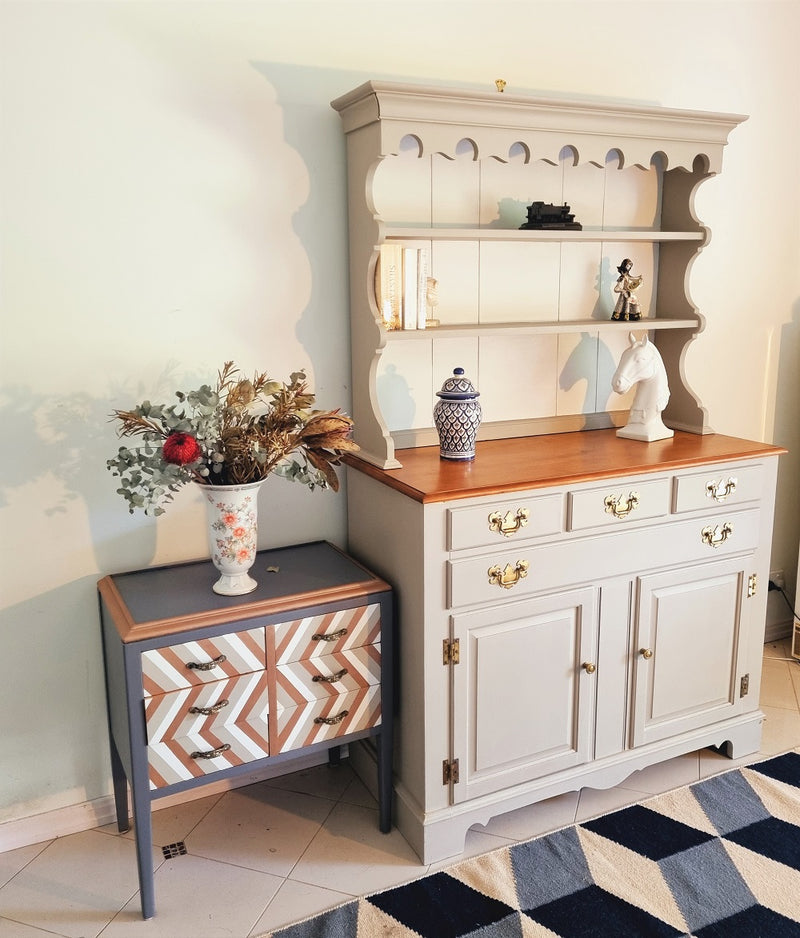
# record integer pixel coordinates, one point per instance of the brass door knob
(588, 667)
(646, 652)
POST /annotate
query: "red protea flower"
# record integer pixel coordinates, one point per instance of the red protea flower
(181, 449)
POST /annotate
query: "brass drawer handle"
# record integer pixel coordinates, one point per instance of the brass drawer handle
(716, 535)
(333, 637)
(588, 667)
(212, 753)
(206, 665)
(621, 507)
(719, 491)
(330, 678)
(509, 576)
(207, 711)
(508, 523)
(332, 721)
(646, 652)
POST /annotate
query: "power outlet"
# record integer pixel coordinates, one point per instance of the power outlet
(778, 579)
(779, 618)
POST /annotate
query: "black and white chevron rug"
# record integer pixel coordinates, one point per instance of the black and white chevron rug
(717, 859)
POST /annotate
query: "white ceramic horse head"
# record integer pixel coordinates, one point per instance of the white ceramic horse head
(641, 365)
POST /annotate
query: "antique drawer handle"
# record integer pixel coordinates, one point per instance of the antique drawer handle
(508, 523)
(720, 492)
(207, 711)
(508, 577)
(716, 535)
(333, 637)
(330, 678)
(212, 753)
(332, 721)
(646, 652)
(206, 665)
(619, 507)
(588, 667)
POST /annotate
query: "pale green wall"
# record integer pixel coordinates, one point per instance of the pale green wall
(171, 196)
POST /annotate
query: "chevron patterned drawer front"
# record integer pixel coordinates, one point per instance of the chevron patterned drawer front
(195, 731)
(301, 682)
(318, 720)
(195, 663)
(316, 636)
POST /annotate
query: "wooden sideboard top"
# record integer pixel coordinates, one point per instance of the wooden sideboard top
(556, 459)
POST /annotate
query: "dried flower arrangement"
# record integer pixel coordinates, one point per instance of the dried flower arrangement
(237, 432)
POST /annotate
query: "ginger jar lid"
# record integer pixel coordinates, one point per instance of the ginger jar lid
(458, 388)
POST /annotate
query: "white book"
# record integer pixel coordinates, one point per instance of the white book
(389, 284)
(410, 287)
(422, 288)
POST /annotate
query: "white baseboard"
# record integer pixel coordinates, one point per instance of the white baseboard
(48, 825)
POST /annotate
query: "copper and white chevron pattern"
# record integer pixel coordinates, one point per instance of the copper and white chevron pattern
(168, 669)
(299, 682)
(319, 720)
(315, 636)
(174, 733)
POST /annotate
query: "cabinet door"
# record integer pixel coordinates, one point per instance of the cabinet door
(687, 669)
(524, 690)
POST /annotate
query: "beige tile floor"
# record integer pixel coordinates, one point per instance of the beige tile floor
(280, 850)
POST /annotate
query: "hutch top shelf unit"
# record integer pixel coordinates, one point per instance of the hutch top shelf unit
(526, 312)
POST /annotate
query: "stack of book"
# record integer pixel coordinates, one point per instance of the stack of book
(401, 286)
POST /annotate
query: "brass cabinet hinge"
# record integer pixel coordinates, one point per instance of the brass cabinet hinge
(450, 772)
(451, 651)
(752, 585)
(744, 685)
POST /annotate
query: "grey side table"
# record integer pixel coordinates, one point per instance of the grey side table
(202, 687)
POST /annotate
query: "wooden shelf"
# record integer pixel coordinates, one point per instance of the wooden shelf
(415, 233)
(470, 330)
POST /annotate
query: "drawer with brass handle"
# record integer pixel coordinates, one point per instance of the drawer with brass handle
(504, 576)
(618, 502)
(720, 487)
(227, 719)
(206, 660)
(332, 675)
(319, 719)
(326, 634)
(496, 522)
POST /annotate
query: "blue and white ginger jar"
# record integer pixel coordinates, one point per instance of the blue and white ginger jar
(457, 416)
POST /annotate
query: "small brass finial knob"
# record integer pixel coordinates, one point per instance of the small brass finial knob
(501, 84)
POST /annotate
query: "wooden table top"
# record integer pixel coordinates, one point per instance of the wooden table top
(555, 459)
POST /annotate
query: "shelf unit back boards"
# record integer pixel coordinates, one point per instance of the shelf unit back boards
(526, 313)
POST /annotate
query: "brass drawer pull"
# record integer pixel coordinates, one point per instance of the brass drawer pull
(588, 667)
(333, 637)
(621, 507)
(332, 721)
(330, 678)
(508, 523)
(206, 665)
(510, 576)
(207, 711)
(212, 753)
(719, 491)
(716, 535)
(646, 652)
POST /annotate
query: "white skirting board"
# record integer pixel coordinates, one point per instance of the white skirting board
(48, 825)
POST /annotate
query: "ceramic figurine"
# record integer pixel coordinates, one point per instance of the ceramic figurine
(641, 364)
(627, 308)
(457, 416)
(432, 300)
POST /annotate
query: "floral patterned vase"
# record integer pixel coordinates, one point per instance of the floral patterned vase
(232, 513)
